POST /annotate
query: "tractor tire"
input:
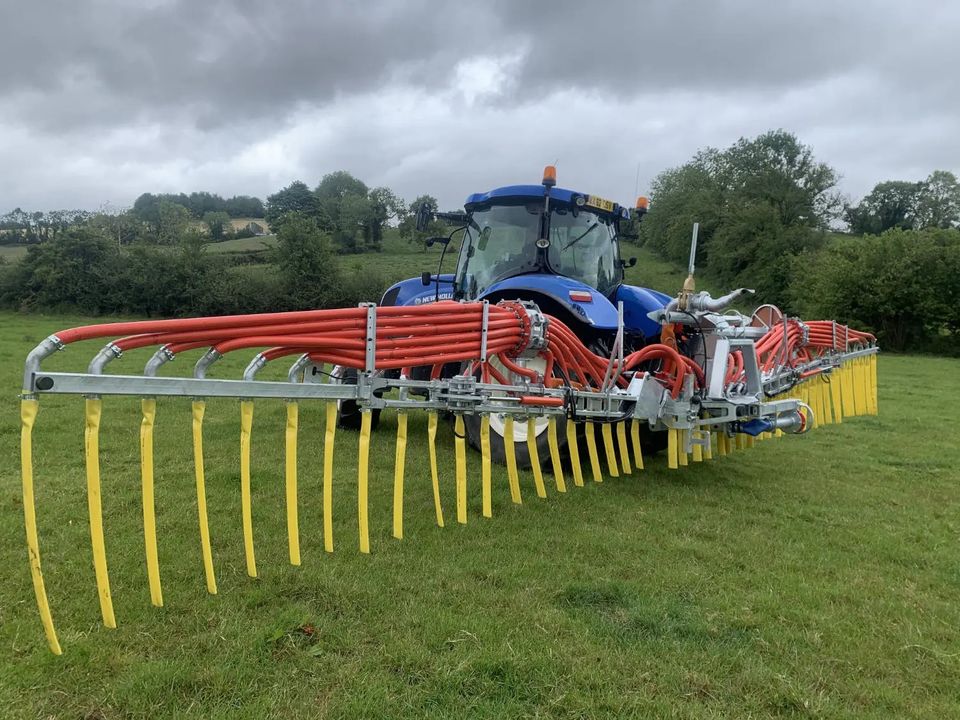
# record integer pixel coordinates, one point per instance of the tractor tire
(348, 412)
(497, 452)
(652, 441)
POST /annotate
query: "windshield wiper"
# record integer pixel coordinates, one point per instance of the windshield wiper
(581, 236)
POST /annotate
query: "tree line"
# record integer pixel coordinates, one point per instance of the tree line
(160, 218)
(84, 270)
(21, 226)
(770, 217)
(353, 214)
(930, 203)
(199, 204)
(151, 260)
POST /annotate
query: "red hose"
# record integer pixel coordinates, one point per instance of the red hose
(449, 332)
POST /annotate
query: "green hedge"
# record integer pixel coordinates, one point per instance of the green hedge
(903, 285)
(82, 272)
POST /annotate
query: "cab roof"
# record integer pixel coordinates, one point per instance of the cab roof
(519, 192)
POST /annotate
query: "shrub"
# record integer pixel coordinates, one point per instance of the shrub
(901, 285)
(306, 262)
(76, 269)
(759, 203)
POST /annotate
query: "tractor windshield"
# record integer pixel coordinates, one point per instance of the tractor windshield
(501, 241)
(584, 248)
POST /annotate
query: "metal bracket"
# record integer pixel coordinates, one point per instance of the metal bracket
(85, 384)
(370, 362)
(649, 396)
(754, 387)
(483, 331)
(620, 334)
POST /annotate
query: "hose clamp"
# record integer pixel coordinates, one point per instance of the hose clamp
(539, 325)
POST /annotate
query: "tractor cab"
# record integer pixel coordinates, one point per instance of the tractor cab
(553, 246)
(548, 245)
(523, 229)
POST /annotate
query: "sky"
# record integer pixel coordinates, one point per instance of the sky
(101, 101)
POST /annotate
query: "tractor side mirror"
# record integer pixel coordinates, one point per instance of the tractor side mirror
(426, 278)
(423, 217)
(630, 263)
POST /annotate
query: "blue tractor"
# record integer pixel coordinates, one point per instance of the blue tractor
(556, 247)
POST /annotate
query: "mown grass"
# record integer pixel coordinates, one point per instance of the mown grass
(809, 577)
(398, 264)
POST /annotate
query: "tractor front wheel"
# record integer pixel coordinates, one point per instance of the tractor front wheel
(497, 438)
(520, 427)
(348, 412)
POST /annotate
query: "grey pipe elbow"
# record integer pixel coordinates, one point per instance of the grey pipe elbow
(254, 367)
(704, 303)
(159, 358)
(107, 353)
(293, 375)
(41, 352)
(204, 363)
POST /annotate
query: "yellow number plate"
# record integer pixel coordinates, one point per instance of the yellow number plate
(599, 203)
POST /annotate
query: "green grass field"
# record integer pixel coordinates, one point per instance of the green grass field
(399, 259)
(239, 245)
(12, 252)
(809, 577)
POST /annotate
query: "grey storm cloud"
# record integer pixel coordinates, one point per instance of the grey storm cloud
(213, 63)
(103, 100)
(636, 47)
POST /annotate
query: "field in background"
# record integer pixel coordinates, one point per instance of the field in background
(238, 223)
(262, 243)
(810, 577)
(401, 260)
(12, 252)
